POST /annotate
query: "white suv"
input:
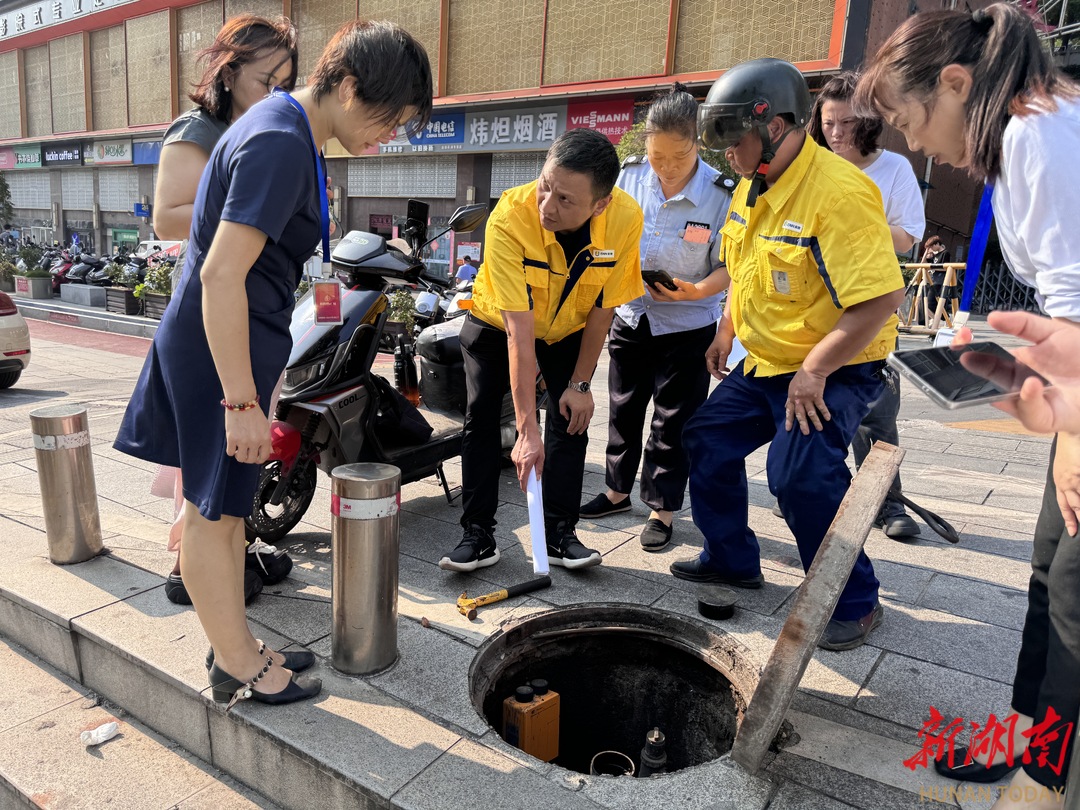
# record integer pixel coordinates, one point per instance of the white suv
(14, 342)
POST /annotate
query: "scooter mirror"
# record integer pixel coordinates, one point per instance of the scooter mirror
(468, 218)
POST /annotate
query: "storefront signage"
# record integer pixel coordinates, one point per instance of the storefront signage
(510, 130)
(146, 153)
(29, 17)
(107, 153)
(62, 154)
(444, 133)
(7, 158)
(380, 222)
(611, 118)
(27, 157)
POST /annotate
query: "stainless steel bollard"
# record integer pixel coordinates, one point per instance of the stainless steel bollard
(66, 477)
(364, 555)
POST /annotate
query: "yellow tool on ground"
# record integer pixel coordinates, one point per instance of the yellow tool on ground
(467, 607)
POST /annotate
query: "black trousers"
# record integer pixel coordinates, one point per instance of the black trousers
(670, 371)
(487, 375)
(1048, 667)
(880, 426)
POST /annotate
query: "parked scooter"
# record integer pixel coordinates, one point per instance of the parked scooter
(86, 264)
(59, 269)
(335, 410)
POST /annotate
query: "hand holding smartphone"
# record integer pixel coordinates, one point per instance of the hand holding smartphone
(956, 377)
(659, 278)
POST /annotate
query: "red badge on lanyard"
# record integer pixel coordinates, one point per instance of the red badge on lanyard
(327, 302)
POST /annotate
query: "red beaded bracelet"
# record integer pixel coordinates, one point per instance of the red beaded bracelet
(243, 406)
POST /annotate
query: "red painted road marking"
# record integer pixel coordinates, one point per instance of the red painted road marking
(88, 338)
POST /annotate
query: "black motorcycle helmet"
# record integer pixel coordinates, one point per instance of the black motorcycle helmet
(747, 97)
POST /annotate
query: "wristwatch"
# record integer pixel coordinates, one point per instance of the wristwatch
(582, 387)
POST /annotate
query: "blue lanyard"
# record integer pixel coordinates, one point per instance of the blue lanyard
(980, 235)
(324, 201)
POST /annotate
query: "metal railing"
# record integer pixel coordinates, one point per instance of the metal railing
(998, 289)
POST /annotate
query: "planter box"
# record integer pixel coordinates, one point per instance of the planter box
(26, 287)
(154, 304)
(85, 294)
(7, 286)
(122, 301)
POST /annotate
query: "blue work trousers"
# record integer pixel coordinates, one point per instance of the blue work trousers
(807, 474)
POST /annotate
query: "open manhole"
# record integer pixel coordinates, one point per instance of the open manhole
(621, 671)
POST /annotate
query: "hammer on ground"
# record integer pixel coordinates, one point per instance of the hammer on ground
(467, 607)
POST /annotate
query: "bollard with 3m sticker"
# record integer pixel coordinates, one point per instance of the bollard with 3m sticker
(66, 478)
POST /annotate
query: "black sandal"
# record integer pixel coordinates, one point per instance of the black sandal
(295, 660)
(230, 690)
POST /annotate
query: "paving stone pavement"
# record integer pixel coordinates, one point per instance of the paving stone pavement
(950, 637)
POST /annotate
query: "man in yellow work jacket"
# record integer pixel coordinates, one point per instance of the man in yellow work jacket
(561, 253)
(814, 289)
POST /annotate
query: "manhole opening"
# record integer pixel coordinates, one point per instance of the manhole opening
(620, 672)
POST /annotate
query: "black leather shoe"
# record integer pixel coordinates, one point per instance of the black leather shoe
(694, 571)
(229, 690)
(296, 660)
(974, 771)
(900, 527)
(847, 635)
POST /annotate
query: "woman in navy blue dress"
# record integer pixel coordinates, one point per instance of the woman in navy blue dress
(200, 402)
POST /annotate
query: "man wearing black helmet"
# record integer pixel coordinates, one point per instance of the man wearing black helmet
(814, 288)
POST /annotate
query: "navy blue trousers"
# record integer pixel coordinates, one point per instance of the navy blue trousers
(807, 474)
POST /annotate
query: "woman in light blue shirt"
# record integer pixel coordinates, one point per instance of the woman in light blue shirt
(657, 342)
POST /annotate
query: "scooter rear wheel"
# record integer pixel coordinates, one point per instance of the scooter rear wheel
(271, 523)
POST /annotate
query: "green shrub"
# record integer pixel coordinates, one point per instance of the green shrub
(37, 272)
(7, 271)
(403, 309)
(159, 278)
(30, 254)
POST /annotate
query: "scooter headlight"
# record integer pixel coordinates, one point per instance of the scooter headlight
(302, 375)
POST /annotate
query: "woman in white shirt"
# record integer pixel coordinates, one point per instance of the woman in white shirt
(835, 125)
(978, 91)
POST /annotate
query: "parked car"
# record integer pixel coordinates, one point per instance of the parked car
(14, 342)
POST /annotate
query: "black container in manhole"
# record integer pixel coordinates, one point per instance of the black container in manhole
(621, 671)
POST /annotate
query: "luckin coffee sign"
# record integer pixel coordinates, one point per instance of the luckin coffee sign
(62, 154)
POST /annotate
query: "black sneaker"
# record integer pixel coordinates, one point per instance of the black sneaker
(477, 549)
(176, 591)
(271, 565)
(566, 550)
(600, 506)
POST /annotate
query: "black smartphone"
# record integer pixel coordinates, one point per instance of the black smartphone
(956, 377)
(659, 278)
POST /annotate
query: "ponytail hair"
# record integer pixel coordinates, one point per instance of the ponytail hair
(1011, 73)
(673, 113)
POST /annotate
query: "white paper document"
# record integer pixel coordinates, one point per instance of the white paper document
(536, 524)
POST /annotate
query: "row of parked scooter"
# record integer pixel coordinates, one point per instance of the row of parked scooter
(69, 265)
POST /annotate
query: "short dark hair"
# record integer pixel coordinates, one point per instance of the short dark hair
(588, 152)
(1012, 74)
(241, 40)
(673, 113)
(842, 88)
(389, 64)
